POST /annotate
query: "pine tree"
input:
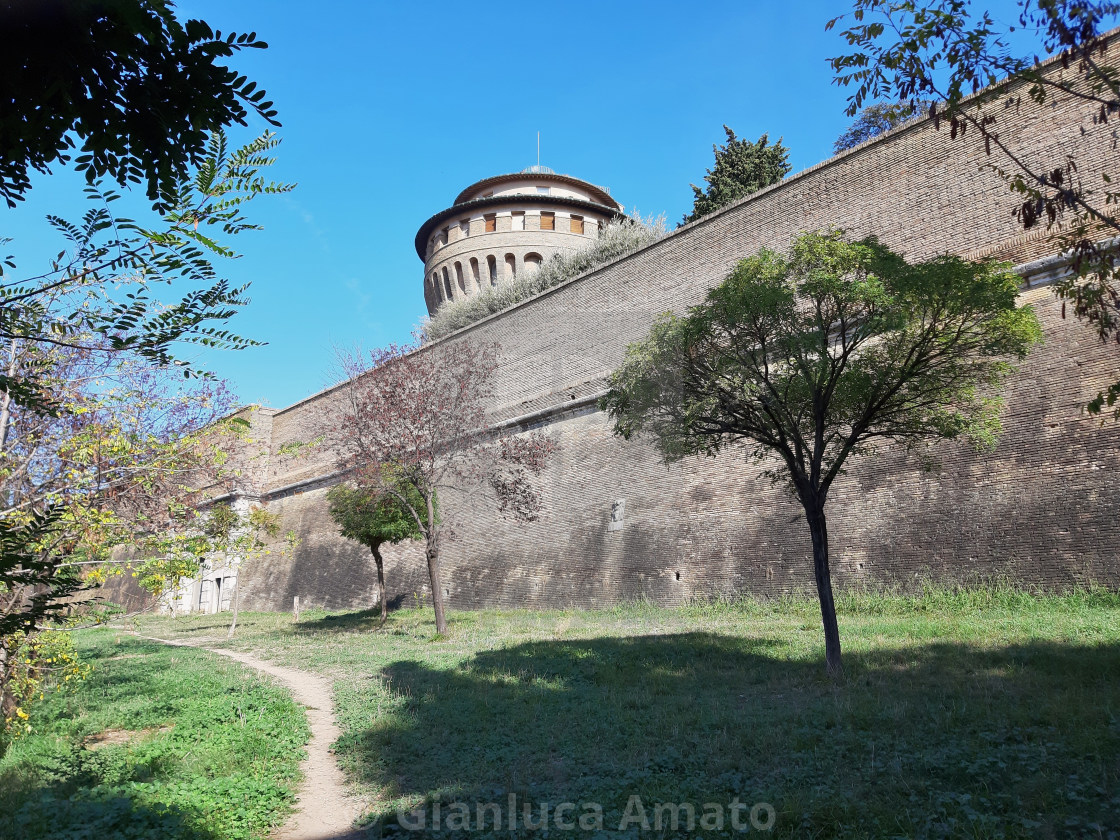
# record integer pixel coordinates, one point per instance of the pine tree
(741, 168)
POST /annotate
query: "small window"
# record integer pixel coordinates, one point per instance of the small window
(443, 237)
(492, 267)
(459, 277)
(533, 262)
(491, 220)
(465, 227)
(435, 287)
(511, 266)
(577, 224)
(474, 273)
(517, 221)
(447, 283)
(548, 221)
(543, 190)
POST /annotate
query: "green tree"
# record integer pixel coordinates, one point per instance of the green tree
(240, 537)
(741, 168)
(374, 517)
(877, 119)
(815, 357)
(963, 60)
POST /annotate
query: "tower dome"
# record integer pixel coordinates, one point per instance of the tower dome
(504, 225)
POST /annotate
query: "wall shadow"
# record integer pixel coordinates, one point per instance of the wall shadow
(932, 740)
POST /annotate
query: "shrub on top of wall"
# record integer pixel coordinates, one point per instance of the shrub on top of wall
(616, 239)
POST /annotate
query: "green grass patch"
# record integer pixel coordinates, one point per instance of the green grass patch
(158, 742)
(986, 713)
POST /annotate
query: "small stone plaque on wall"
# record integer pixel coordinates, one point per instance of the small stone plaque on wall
(618, 513)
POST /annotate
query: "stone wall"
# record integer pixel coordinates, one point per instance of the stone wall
(1040, 510)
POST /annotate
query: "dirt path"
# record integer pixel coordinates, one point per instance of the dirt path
(325, 809)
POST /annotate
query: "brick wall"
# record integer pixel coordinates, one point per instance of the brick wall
(1041, 509)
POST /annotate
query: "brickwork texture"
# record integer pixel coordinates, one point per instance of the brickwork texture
(1039, 510)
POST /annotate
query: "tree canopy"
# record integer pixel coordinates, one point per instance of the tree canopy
(808, 359)
(374, 518)
(741, 168)
(119, 88)
(878, 119)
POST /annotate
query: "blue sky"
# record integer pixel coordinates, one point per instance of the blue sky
(390, 109)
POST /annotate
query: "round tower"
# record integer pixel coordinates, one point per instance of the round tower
(502, 226)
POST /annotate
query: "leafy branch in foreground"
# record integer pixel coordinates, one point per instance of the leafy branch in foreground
(122, 83)
(810, 359)
(963, 63)
(98, 295)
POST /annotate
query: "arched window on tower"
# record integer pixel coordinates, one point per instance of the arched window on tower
(459, 277)
(533, 263)
(492, 267)
(474, 274)
(511, 266)
(447, 283)
(437, 292)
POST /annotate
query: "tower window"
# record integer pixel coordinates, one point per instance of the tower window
(533, 262)
(517, 220)
(474, 273)
(459, 277)
(491, 220)
(465, 227)
(511, 266)
(447, 283)
(548, 221)
(543, 190)
(492, 266)
(577, 224)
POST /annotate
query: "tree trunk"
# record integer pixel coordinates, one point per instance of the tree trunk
(814, 512)
(236, 600)
(437, 590)
(4, 709)
(6, 409)
(376, 549)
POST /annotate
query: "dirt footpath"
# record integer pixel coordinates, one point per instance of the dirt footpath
(325, 810)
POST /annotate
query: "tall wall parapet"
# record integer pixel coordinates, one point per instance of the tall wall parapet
(618, 524)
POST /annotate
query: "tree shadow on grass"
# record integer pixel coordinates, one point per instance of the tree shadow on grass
(360, 621)
(931, 740)
(54, 814)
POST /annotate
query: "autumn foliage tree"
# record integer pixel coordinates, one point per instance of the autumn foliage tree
(414, 426)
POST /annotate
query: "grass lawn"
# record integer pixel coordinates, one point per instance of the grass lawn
(982, 713)
(160, 743)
